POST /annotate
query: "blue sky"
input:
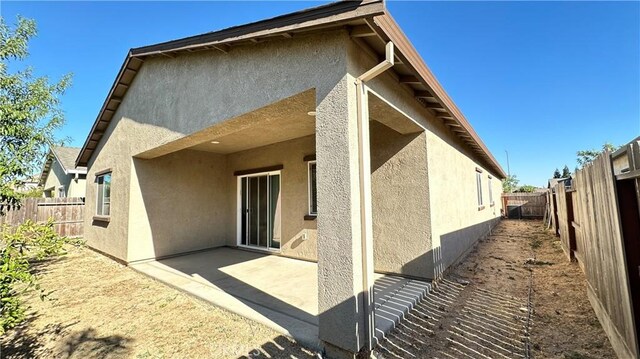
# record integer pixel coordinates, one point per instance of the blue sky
(538, 79)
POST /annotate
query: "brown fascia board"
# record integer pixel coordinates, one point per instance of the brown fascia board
(333, 14)
(410, 57)
(46, 168)
(330, 14)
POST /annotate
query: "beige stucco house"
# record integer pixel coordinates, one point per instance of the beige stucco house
(319, 135)
(60, 177)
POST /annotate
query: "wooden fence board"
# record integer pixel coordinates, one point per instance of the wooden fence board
(601, 250)
(67, 214)
(531, 205)
(564, 199)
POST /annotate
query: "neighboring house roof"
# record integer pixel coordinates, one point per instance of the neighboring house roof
(370, 25)
(66, 157)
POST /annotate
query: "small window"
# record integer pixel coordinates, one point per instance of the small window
(491, 203)
(313, 193)
(62, 192)
(479, 186)
(103, 207)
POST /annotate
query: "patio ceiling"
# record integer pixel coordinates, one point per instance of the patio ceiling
(278, 122)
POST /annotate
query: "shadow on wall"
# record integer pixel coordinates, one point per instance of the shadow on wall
(388, 144)
(185, 197)
(454, 246)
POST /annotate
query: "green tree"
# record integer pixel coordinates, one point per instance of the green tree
(566, 172)
(29, 111)
(587, 156)
(556, 173)
(527, 188)
(510, 184)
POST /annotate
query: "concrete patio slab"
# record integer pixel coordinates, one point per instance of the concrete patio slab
(276, 291)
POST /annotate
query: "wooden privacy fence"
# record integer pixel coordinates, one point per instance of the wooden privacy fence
(67, 214)
(524, 205)
(599, 225)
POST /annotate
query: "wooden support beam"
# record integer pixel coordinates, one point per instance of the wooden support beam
(422, 94)
(169, 55)
(222, 47)
(361, 31)
(116, 99)
(287, 35)
(444, 115)
(367, 49)
(434, 105)
(410, 80)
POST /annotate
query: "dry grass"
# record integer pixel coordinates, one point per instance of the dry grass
(100, 309)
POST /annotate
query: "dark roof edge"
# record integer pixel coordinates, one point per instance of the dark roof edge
(246, 30)
(391, 29)
(350, 10)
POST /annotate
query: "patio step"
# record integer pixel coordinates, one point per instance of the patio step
(394, 297)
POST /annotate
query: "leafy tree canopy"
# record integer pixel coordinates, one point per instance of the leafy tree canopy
(557, 174)
(566, 172)
(587, 156)
(510, 184)
(29, 110)
(527, 188)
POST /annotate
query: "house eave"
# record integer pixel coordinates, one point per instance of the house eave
(332, 15)
(365, 19)
(430, 92)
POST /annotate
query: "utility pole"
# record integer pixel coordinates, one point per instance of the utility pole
(508, 169)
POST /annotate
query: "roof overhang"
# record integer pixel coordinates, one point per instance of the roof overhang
(368, 22)
(48, 164)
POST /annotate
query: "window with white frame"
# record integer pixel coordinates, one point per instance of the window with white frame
(491, 203)
(103, 205)
(313, 193)
(479, 186)
(62, 192)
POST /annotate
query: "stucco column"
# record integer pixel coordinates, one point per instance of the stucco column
(340, 274)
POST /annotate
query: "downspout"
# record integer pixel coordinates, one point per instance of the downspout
(364, 162)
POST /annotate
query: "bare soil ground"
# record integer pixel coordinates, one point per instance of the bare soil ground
(100, 309)
(485, 308)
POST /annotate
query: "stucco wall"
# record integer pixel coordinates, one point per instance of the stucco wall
(56, 178)
(457, 221)
(399, 181)
(293, 190)
(453, 217)
(171, 98)
(77, 187)
(184, 204)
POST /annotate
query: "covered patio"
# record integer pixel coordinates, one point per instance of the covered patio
(279, 292)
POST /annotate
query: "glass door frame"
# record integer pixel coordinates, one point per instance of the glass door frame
(239, 205)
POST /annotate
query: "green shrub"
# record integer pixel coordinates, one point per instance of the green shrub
(19, 248)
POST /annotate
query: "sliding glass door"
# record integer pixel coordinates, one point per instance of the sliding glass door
(260, 208)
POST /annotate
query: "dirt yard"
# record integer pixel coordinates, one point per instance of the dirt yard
(482, 309)
(100, 309)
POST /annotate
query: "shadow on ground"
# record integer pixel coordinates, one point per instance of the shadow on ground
(280, 347)
(23, 342)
